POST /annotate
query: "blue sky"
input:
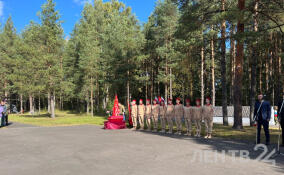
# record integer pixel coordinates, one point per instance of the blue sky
(23, 11)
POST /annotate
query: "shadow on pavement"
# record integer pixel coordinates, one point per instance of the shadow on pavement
(18, 125)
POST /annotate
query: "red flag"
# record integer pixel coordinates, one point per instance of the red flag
(115, 109)
(129, 115)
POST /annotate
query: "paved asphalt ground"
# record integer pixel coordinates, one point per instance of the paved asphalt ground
(90, 150)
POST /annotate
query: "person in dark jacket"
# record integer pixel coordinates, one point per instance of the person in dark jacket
(7, 112)
(3, 111)
(280, 114)
(262, 113)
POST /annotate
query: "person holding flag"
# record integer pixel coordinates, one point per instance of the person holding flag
(155, 114)
(280, 113)
(141, 114)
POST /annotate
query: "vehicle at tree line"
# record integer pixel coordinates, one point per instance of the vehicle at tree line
(227, 49)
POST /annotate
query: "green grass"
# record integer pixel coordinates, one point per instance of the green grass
(63, 118)
(247, 133)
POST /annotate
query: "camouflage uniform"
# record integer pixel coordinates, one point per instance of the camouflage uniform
(141, 114)
(170, 115)
(207, 113)
(148, 115)
(178, 117)
(134, 115)
(162, 113)
(188, 119)
(197, 118)
(155, 116)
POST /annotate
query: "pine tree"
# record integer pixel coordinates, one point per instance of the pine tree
(8, 53)
(52, 36)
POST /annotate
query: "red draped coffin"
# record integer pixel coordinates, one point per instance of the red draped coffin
(115, 121)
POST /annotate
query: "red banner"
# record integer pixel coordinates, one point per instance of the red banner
(115, 109)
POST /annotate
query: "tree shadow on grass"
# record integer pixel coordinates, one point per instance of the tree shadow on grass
(226, 145)
(45, 115)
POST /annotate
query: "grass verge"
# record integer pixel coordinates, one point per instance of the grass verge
(63, 118)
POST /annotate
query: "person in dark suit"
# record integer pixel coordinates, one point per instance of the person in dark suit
(3, 111)
(262, 113)
(280, 114)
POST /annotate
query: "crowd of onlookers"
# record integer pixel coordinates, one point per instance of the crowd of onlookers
(4, 112)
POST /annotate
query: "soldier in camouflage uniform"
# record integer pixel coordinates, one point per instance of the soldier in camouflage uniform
(134, 114)
(141, 114)
(188, 117)
(197, 117)
(148, 114)
(155, 115)
(170, 115)
(207, 114)
(178, 115)
(162, 114)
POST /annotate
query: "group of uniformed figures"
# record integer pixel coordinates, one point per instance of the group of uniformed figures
(173, 114)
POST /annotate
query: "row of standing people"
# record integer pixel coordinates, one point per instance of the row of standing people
(173, 114)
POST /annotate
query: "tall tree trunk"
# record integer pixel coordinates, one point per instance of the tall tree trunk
(128, 88)
(171, 84)
(5, 89)
(223, 69)
(277, 78)
(238, 122)
(271, 87)
(281, 77)
(88, 103)
(254, 59)
(48, 102)
(233, 60)
(92, 97)
(39, 105)
(152, 82)
(52, 105)
(146, 83)
(166, 84)
(128, 93)
(202, 74)
(31, 104)
(146, 90)
(213, 70)
(191, 89)
(107, 96)
(54, 100)
(98, 94)
(266, 71)
(21, 104)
